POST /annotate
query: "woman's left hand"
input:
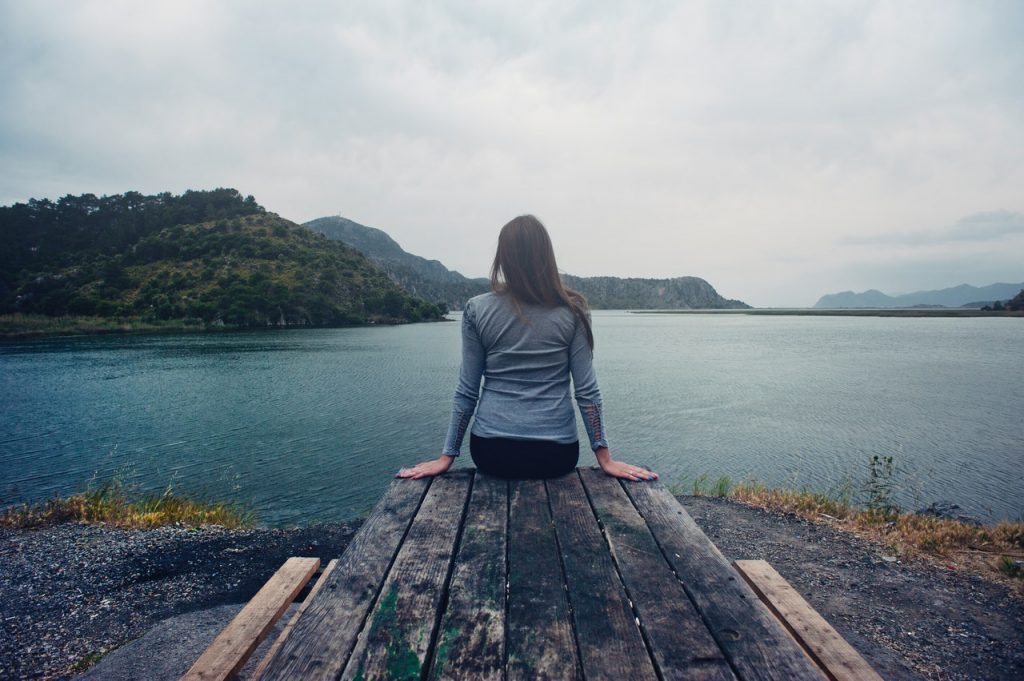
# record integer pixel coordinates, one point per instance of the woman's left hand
(427, 468)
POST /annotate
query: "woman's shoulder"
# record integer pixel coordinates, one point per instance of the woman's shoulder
(485, 301)
(482, 299)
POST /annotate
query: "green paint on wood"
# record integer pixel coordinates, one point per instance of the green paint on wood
(400, 659)
(443, 648)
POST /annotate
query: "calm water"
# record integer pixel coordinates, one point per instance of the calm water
(311, 425)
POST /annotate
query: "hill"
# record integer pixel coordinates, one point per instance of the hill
(678, 293)
(428, 279)
(205, 257)
(435, 282)
(956, 296)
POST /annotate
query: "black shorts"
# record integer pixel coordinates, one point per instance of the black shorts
(505, 458)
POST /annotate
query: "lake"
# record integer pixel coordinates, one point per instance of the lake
(311, 425)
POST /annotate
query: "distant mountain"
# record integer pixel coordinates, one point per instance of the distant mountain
(678, 293)
(435, 282)
(205, 257)
(957, 296)
(427, 279)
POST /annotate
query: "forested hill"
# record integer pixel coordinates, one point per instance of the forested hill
(678, 293)
(434, 281)
(210, 257)
(417, 275)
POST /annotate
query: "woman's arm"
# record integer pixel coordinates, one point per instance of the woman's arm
(467, 393)
(588, 398)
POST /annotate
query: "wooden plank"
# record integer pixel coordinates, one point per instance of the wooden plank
(539, 637)
(235, 644)
(261, 667)
(609, 639)
(679, 641)
(402, 625)
(827, 648)
(471, 641)
(323, 638)
(756, 645)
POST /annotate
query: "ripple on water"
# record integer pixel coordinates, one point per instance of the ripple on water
(312, 424)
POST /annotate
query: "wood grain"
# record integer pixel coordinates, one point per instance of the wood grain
(402, 624)
(235, 644)
(680, 643)
(323, 638)
(540, 640)
(754, 642)
(287, 630)
(471, 640)
(609, 639)
(827, 648)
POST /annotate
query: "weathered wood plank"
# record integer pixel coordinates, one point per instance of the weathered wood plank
(262, 666)
(323, 638)
(471, 641)
(609, 639)
(680, 643)
(754, 642)
(834, 655)
(539, 639)
(401, 627)
(235, 644)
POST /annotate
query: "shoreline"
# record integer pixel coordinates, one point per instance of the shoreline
(76, 592)
(68, 327)
(18, 328)
(846, 312)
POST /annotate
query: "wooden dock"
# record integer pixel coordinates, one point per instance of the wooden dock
(466, 576)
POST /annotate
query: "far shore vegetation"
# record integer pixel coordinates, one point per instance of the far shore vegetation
(115, 504)
(201, 260)
(21, 326)
(13, 326)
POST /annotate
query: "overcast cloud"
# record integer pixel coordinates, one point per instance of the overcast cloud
(779, 150)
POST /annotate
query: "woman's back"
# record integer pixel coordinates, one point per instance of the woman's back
(525, 357)
(525, 341)
(527, 350)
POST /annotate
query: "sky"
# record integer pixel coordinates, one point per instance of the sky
(780, 150)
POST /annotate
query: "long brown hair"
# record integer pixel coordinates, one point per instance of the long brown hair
(524, 267)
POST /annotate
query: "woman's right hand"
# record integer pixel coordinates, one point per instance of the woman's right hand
(619, 469)
(427, 468)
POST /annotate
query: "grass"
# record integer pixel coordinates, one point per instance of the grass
(956, 544)
(113, 504)
(88, 661)
(1011, 567)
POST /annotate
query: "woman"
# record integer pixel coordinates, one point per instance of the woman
(526, 338)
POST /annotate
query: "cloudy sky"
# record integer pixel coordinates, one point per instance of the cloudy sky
(780, 150)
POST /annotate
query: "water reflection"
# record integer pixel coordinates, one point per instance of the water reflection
(310, 424)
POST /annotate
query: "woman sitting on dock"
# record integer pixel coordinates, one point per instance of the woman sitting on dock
(526, 338)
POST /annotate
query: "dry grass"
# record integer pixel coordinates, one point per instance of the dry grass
(112, 504)
(987, 549)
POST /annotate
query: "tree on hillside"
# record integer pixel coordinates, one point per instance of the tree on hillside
(1016, 304)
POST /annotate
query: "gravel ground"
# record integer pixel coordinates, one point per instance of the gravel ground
(912, 620)
(71, 593)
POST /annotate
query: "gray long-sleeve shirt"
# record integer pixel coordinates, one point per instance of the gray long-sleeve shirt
(526, 359)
